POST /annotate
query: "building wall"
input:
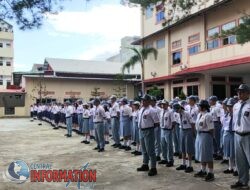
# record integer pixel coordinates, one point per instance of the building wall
(60, 89)
(6, 53)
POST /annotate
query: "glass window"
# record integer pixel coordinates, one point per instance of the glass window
(160, 43)
(194, 38)
(149, 11)
(176, 58)
(229, 26)
(8, 45)
(149, 45)
(213, 44)
(8, 63)
(1, 63)
(160, 16)
(1, 82)
(194, 49)
(176, 44)
(193, 90)
(1, 45)
(213, 31)
(177, 91)
(229, 40)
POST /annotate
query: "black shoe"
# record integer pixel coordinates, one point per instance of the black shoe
(117, 146)
(189, 169)
(170, 164)
(224, 162)
(218, 157)
(113, 145)
(66, 135)
(83, 141)
(106, 142)
(69, 136)
(122, 147)
(158, 158)
(200, 174)
(128, 148)
(239, 185)
(133, 143)
(133, 152)
(56, 128)
(101, 150)
(143, 168)
(39, 124)
(235, 173)
(152, 172)
(209, 177)
(96, 148)
(176, 154)
(181, 167)
(87, 142)
(227, 171)
(197, 161)
(138, 153)
(163, 162)
(121, 139)
(92, 137)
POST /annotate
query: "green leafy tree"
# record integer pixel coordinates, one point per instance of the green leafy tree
(95, 93)
(139, 58)
(156, 92)
(182, 96)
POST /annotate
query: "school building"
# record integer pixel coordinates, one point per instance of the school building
(59, 80)
(192, 57)
(6, 54)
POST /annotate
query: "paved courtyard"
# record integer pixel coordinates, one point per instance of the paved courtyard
(21, 139)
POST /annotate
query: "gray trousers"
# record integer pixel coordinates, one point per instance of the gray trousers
(80, 122)
(217, 138)
(176, 139)
(158, 141)
(242, 152)
(167, 145)
(147, 139)
(115, 127)
(69, 125)
(99, 134)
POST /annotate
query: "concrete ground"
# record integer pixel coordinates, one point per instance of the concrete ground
(21, 139)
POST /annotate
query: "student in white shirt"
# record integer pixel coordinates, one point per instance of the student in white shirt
(69, 110)
(85, 127)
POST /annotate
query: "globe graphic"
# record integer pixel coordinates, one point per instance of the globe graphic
(18, 171)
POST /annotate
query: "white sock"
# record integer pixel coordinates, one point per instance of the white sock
(231, 163)
(88, 138)
(189, 163)
(184, 162)
(203, 168)
(210, 170)
(129, 142)
(125, 142)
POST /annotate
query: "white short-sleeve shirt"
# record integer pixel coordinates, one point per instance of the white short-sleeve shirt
(99, 114)
(147, 118)
(167, 118)
(114, 109)
(215, 112)
(204, 122)
(186, 120)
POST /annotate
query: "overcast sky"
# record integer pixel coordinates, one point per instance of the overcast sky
(84, 30)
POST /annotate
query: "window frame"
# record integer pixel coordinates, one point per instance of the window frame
(177, 51)
(193, 41)
(192, 46)
(176, 44)
(159, 40)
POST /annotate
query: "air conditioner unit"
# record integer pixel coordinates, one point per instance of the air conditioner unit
(184, 66)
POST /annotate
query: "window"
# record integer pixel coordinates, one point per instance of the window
(219, 90)
(9, 111)
(8, 63)
(212, 44)
(229, 26)
(194, 49)
(8, 45)
(193, 80)
(176, 57)
(176, 44)
(229, 40)
(149, 11)
(8, 83)
(235, 79)
(160, 43)
(213, 31)
(177, 91)
(193, 90)
(1, 45)
(160, 16)
(1, 63)
(1, 82)
(194, 38)
(149, 45)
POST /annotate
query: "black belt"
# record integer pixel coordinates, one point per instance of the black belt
(204, 132)
(144, 129)
(186, 129)
(166, 129)
(68, 117)
(114, 117)
(243, 134)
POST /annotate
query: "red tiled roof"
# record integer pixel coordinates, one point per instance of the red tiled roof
(12, 91)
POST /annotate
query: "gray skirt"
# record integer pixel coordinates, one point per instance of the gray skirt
(204, 147)
(228, 144)
(187, 141)
(85, 129)
(106, 127)
(126, 126)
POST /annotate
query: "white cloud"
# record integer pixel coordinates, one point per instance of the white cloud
(106, 23)
(105, 20)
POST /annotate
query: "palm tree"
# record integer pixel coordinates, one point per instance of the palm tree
(140, 56)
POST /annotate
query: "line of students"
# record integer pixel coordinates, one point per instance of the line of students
(206, 130)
